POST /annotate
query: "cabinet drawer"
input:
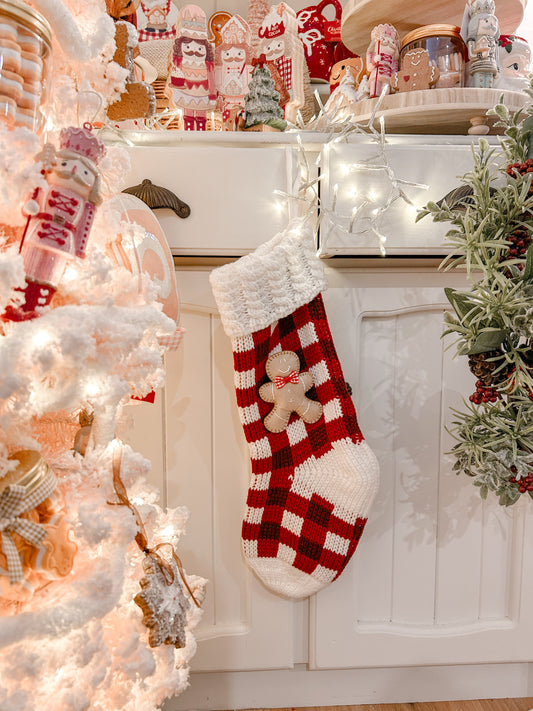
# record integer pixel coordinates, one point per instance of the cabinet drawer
(416, 160)
(229, 189)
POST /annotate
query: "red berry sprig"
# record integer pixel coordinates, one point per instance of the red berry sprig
(524, 484)
(515, 169)
(483, 394)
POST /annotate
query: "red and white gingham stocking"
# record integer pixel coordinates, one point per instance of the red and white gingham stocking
(312, 484)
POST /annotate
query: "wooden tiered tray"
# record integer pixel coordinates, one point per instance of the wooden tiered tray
(437, 111)
(360, 16)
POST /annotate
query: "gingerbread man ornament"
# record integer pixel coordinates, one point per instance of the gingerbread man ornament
(416, 72)
(287, 392)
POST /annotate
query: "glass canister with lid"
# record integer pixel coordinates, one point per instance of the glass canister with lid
(25, 55)
(445, 48)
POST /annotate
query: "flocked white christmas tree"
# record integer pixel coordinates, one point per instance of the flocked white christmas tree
(114, 633)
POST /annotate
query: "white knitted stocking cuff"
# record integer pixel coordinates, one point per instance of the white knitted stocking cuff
(269, 283)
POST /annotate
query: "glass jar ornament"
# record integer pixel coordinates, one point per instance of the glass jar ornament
(446, 50)
(25, 54)
(35, 537)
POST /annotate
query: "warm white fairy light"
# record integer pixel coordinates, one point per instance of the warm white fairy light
(41, 338)
(70, 274)
(93, 388)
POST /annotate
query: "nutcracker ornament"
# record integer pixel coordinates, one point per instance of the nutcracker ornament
(233, 68)
(382, 57)
(191, 82)
(59, 217)
(480, 32)
(281, 45)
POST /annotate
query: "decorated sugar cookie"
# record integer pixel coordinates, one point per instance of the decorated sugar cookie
(416, 72)
(281, 45)
(191, 82)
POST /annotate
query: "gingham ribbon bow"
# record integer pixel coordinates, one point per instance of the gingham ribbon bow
(281, 380)
(14, 501)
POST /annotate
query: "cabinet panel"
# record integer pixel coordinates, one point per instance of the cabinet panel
(421, 161)
(230, 191)
(440, 577)
(207, 471)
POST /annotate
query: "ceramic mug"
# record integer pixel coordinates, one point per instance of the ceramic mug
(319, 51)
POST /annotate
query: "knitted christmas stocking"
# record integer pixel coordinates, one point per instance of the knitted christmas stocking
(313, 475)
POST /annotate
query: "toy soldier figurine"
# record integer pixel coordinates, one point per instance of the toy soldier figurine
(191, 82)
(481, 42)
(382, 57)
(233, 68)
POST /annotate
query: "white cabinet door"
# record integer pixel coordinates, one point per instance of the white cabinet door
(195, 424)
(439, 577)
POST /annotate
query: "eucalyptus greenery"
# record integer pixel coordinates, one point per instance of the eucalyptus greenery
(489, 216)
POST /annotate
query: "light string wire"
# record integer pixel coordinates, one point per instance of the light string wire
(367, 210)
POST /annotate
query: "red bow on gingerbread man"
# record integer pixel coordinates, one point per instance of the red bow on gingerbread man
(281, 380)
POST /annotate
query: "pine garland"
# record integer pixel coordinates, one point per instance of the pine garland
(490, 238)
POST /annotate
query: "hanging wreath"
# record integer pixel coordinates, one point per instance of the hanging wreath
(491, 239)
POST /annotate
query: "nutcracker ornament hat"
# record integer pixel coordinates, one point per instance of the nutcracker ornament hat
(82, 141)
(192, 22)
(235, 31)
(313, 475)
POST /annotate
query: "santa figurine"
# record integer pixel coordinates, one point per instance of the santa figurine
(191, 82)
(514, 60)
(382, 58)
(233, 68)
(60, 217)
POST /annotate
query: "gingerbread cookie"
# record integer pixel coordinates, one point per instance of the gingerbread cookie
(138, 101)
(287, 392)
(215, 24)
(163, 603)
(416, 72)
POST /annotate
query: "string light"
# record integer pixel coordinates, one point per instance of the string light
(42, 338)
(317, 206)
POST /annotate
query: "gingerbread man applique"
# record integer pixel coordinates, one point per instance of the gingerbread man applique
(287, 392)
(416, 72)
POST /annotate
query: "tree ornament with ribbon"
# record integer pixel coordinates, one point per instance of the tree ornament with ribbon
(162, 598)
(35, 539)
